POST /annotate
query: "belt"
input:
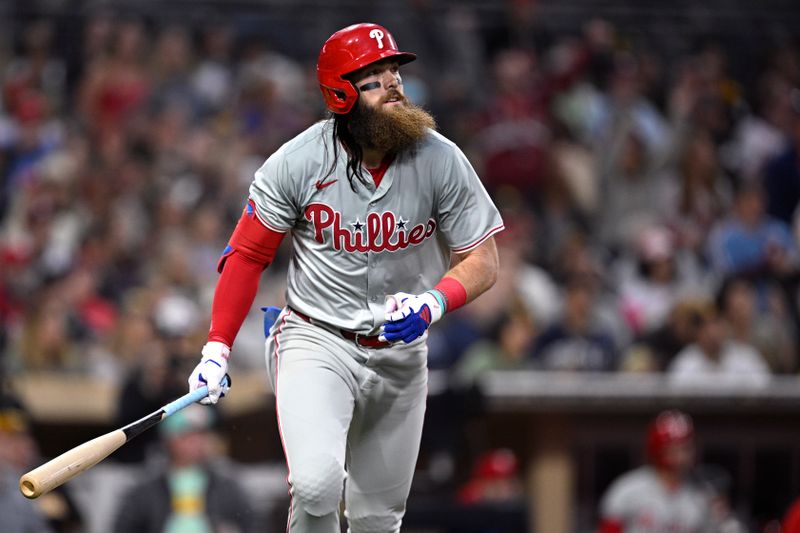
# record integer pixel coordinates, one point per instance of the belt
(367, 341)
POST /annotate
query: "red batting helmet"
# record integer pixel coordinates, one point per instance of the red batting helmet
(668, 428)
(348, 50)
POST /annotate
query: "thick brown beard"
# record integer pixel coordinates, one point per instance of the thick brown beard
(392, 130)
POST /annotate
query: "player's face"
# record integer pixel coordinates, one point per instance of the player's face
(380, 85)
(190, 448)
(680, 455)
(383, 119)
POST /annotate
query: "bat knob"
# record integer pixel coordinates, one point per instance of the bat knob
(28, 488)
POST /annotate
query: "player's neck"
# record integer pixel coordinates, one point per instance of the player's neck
(373, 158)
(671, 479)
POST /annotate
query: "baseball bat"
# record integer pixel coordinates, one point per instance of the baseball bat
(73, 462)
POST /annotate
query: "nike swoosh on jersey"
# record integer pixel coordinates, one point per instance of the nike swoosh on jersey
(320, 185)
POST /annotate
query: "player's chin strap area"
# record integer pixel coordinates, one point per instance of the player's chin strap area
(367, 341)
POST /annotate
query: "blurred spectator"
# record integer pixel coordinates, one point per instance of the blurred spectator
(660, 496)
(714, 359)
(17, 452)
(36, 134)
(750, 242)
(583, 107)
(97, 34)
(625, 114)
(38, 71)
(576, 342)
(582, 258)
(560, 215)
(116, 87)
(271, 100)
(575, 165)
(629, 190)
(52, 512)
(514, 131)
(698, 192)
(507, 347)
(520, 284)
(192, 492)
(771, 332)
(66, 330)
(212, 78)
(654, 279)
(655, 350)
(522, 276)
(456, 334)
(782, 172)
(45, 343)
(171, 72)
(135, 327)
(717, 99)
(155, 379)
(762, 136)
(703, 96)
(631, 140)
(514, 134)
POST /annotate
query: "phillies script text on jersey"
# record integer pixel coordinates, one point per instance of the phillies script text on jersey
(384, 232)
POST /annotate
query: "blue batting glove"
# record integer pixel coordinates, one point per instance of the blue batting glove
(408, 316)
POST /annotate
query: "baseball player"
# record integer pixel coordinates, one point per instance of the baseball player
(660, 497)
(376, 202)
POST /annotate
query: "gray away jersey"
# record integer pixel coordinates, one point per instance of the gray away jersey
(641, 502)
(351, 249)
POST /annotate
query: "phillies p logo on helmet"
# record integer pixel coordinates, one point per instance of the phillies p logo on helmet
(378, 36)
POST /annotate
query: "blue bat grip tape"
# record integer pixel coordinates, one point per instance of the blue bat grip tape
(187, 399)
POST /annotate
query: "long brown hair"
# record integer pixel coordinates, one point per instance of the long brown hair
(355, 153)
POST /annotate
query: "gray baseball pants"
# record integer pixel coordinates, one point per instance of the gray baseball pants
(350, 420)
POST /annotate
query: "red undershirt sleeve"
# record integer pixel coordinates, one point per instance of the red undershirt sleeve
(236, 289)
(251, 249)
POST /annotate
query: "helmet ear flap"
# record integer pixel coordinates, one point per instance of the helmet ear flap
(339, 99)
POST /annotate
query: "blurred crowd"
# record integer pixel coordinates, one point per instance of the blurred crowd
(651, 214)
(650, 199)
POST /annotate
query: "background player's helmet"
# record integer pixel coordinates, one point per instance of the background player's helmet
(348, 50)
(668, 428)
